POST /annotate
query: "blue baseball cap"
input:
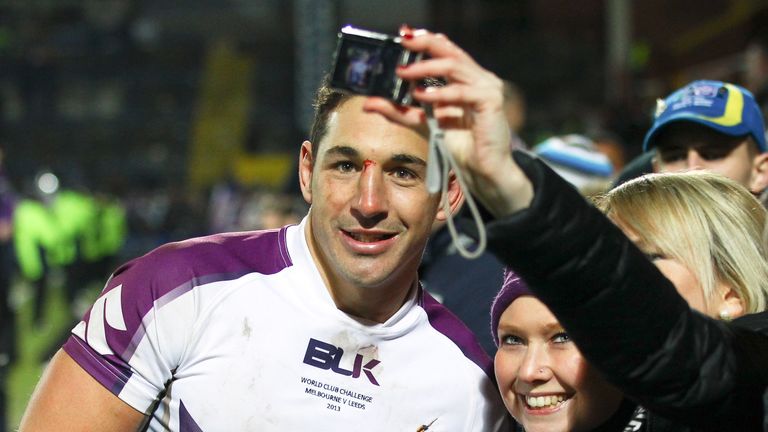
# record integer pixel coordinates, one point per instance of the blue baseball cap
(723, 107)
(575, 152)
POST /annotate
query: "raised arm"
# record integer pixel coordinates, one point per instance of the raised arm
(67, 398)
(624, 315)
(469, 109)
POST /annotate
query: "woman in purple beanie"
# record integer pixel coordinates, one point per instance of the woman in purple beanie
(545, 382)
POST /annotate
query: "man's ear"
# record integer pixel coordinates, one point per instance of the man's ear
(455, 197)
(759, 178)
(656, 163)
(306, 163)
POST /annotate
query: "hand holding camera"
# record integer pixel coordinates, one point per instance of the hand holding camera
(365, 63)
(469, 109)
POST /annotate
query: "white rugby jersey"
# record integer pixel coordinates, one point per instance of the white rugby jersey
(237, 332)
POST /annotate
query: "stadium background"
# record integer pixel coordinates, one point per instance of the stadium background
(159, 101)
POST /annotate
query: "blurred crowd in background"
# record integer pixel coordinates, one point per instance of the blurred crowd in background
(125, 124)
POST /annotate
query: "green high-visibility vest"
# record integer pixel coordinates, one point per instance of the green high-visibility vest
(36, 237)
(114, 228)
(77, 216)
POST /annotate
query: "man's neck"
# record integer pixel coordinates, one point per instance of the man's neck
(372, 303)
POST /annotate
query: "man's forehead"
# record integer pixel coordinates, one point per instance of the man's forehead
(701, 143)
(348, 151)
(351, 127)
(690, 135)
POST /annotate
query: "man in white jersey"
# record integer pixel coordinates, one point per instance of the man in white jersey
(319, 326)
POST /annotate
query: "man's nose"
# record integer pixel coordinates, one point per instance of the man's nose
(693, 160)
(372, 195)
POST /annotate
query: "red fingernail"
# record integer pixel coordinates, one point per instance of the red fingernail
(402, 67)
(402, 109)
(408, 35)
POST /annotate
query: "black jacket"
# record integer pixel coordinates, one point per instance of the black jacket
(691, 372)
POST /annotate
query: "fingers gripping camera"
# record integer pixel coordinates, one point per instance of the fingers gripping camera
(365, 63)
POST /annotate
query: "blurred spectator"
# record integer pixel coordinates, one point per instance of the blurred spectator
(515, 110)
(113, 231)
(38, 246)
(66, 229)
(714, 126)
(185, 213)
(756, 67)
(709, 125)
(76, 218)
(267, 210)
(224, 206)
(7, 317)
(233, 207)
(637, 167)
(611, 145)
(465, 286)
(576, 159)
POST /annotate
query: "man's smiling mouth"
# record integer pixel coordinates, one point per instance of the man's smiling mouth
(369, 237)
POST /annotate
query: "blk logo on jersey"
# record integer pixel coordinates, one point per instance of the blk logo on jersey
(326, 356)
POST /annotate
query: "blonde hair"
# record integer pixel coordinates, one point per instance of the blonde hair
(712, 225)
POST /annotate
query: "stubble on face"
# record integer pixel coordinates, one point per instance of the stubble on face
(370, 217)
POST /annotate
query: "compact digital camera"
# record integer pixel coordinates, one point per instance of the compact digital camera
(365, 63)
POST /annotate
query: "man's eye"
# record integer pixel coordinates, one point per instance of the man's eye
(672, 155)
(345, 166)
(404, 173)
(714, 153)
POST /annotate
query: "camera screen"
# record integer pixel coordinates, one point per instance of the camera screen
(366, 65)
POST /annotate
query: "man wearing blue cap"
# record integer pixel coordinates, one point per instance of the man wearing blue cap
(711, 125)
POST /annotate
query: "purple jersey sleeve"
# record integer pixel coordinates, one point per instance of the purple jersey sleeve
(105, 342)
(444, 321)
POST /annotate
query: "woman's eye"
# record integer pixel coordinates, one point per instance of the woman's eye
(653, 256)
(561, 337)
(511, 340)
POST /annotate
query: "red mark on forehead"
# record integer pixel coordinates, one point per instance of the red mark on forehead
(368, 163)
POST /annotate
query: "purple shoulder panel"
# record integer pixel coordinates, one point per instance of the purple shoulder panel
(176, 268)
(444, 321)
(109, 370)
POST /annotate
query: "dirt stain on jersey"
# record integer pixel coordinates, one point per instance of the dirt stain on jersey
(246, 328)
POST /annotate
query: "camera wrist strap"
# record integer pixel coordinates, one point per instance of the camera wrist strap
(440, 162)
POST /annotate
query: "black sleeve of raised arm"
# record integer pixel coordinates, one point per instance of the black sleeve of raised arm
(624, 315)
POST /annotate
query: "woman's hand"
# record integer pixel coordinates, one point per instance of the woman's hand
(469, 108)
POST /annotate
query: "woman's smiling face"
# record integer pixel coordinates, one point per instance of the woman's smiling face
(544, 380)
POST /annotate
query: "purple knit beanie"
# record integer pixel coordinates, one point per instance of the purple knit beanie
(512, 288)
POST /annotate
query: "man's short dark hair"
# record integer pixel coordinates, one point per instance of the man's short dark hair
(326, 101)
(684, 133)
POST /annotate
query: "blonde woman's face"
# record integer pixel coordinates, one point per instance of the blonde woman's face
(685, 281)
(544, 380)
